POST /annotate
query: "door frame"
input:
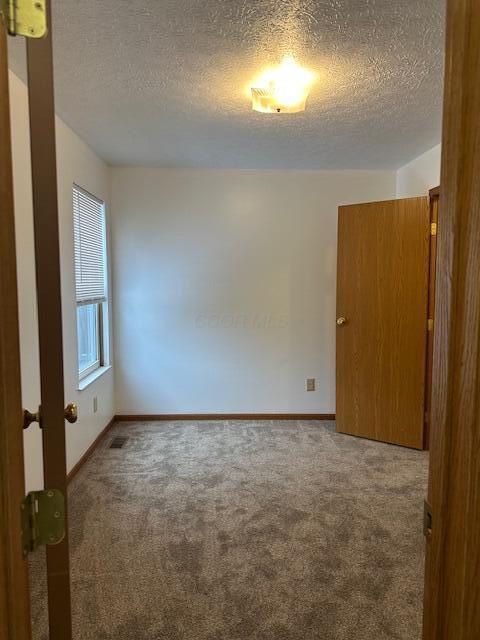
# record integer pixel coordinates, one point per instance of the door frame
(434, 197)
(452, 589)
(14, 589)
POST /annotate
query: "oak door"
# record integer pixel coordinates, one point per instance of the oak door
(47, 259)
(14, 596)
(382, 296)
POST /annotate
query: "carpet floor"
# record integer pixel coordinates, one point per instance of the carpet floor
(236, 530)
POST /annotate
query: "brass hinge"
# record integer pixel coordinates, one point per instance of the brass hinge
(25, 17)
(430, 324)
(427, 520)
(43, 519)
(433, 229)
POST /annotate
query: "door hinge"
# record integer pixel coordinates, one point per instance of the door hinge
(43, 519)
(427, 519)
(430, 324)
(25, 17)
(433, 228)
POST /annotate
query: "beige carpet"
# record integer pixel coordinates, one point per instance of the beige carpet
(235, 530)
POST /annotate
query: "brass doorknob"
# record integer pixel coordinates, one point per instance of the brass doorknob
(341, 321)
(29, 417)
(71, 413)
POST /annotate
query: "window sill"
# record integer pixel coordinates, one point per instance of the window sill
(88, 380)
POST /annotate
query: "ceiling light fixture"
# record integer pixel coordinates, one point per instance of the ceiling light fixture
(282, 89)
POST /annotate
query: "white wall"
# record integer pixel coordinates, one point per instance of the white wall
(419, 175)
(224, 287)
(75, 163)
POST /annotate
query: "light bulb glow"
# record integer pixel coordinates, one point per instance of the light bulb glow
(284, 88)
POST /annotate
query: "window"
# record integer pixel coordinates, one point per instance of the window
(90, 281)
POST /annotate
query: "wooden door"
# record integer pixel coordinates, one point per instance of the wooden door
(47, 258)
(452, 584)
(382, 293)
(14, 596)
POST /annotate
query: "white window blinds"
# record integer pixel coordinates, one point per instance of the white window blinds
(89, 238)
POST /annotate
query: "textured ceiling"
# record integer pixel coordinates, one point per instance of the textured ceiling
(163, 82)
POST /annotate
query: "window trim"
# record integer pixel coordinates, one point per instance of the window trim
(93, 377)
(89, 370)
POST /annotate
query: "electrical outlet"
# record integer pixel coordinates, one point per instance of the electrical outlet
(95, 404)
(310, 384)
